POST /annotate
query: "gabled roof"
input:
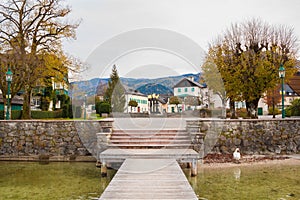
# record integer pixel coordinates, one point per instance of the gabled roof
(135, 92)
(288, 89)
(294, 83)
(186, 82)
(162, 100)
(16, 100)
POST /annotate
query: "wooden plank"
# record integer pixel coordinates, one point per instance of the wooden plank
(178, 154)
(149, 179)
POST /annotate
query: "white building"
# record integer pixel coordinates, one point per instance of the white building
(140, 98)
(188, 89)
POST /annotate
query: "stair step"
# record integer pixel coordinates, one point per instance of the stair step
(150, 133)
(149, 138)
(142, 139)
(149, 130)
(150, 145)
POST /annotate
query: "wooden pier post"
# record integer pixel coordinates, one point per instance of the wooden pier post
(103, 170)
(194, 168)
(188, 165)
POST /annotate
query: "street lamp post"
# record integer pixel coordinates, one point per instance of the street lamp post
(282, 75)
(85, 102)
(9, 75)
(153, 99)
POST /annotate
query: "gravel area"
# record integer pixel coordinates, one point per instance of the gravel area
(226, 160)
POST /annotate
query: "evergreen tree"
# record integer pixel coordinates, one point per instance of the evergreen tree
(115, 92)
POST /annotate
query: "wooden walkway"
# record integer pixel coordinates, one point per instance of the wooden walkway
(181, 155)
(149, 179)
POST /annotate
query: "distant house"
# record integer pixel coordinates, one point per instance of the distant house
(291, 92)
(294, 83)
(162, 106)
(140, 98)
(16, 103)
(190, 92)
(187, 87)
(163, 103)
(59, 88)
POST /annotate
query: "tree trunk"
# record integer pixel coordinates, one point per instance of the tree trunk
(232, 109)
(224, 100)
(252, 108)
(273, 106)
(26, 112)
(4, 104)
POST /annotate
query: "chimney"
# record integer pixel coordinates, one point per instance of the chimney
(191, 78)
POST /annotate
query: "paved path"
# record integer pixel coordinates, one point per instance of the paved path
(149, 123)
(295, 156)
(149, 179)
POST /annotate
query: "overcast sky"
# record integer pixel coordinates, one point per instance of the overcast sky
(103, 21)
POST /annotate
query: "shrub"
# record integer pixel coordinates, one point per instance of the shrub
(1, 114)
(276, 111)
(204, 112)
(65, 105)
(288, 112)
(70, 111)
(65, 112)
(98, 103)
(241, 112)
(15, 114)
(294, 109)
(46, 114)
(77, 111)
(104, 108)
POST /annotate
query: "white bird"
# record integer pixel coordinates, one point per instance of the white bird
(237, 155)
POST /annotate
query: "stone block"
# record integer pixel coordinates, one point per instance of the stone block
(297, 139)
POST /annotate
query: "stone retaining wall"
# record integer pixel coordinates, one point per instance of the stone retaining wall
(261, 136)
(71, 139)
(50, 138)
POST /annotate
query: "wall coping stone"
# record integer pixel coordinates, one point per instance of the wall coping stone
(52, 120)
(241, 120)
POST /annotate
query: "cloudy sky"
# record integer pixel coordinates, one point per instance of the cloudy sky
(182, 25)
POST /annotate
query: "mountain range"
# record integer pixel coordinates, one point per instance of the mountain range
(163, 85)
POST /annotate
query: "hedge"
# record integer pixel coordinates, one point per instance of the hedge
(15, 114)
(102, 107)
(46, 114)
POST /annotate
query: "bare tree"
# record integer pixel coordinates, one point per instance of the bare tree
(248, 56)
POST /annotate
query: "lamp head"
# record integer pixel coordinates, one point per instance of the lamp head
(9, 75)
(281, 71)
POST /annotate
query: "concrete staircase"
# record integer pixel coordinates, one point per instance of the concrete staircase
(150, 139)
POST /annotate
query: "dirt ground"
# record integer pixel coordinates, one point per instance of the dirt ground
(222, 161)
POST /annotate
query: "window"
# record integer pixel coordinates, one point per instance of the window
(193, 89)
(185, 89)
(179, 89)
